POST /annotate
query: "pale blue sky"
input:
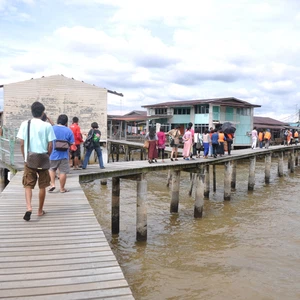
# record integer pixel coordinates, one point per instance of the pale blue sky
(159, 50)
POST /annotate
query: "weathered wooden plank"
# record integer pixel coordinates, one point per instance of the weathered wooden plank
(121, 293)
(58, 268)
(60, 274)
(63, 288)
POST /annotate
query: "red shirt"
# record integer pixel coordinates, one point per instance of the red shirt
(77, 133)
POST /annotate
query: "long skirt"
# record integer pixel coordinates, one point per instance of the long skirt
(152, 150)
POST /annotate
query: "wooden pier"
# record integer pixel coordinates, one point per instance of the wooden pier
(61, 255)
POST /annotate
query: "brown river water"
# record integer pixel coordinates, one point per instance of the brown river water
(246, 248)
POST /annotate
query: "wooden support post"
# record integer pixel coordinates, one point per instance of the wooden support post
(141, 209)
(268, 161)
(142, 154)
(227, 180)
(108, 151)
(292, 154)
(199, 194)
(169, 180)
(207, 181)
(280, 164)
(289, 160)
(115, 206)
(118, 152)
(233, 174)
(214, 179)
(2, 179)
(296, 158)
(192, 179)
(175, 191)
(251, 179)
(126, 153)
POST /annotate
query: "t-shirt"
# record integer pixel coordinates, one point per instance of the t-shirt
(77, 133)
(41, 133)
(62, 133)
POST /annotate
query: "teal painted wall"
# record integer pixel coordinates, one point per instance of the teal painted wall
(242, 128)
(181, 119)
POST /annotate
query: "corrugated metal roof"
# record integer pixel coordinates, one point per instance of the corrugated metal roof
(229, 101)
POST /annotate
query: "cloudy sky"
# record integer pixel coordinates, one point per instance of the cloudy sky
(160, 50)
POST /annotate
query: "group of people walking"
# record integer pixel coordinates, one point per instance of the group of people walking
(57, 147)
(212, 142)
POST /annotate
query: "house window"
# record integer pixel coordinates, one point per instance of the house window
(202, 109)
(243, 111)
(160, 111)
(202, 127)
(182, 111)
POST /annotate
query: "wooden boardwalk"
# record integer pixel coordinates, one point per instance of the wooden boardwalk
(62, 255)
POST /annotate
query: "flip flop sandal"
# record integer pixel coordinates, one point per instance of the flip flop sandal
(65, 191)
(51, 189)
(27, 215)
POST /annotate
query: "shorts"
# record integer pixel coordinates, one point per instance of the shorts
(76, 153)
(31, 176)
(62, 165)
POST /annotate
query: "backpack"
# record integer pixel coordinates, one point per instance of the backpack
(88, 143)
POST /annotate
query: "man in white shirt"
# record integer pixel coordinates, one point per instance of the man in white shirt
(41, 137)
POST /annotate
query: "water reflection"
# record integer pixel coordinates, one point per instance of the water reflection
(246, 248)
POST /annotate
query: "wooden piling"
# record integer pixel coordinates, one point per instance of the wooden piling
(175, 191)
(280, 164)
(192, 179)
(233, 174)
(214, 179)
(227, 180)
(199, 194)
(115, 206)
(251, 179)
(141, 209)
(292, 154)
(296, 158)
(207, 182)
(268, 161)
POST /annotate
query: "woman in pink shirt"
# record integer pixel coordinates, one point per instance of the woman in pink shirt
(161, 143)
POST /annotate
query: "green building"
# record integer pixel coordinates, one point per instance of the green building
(204, 114)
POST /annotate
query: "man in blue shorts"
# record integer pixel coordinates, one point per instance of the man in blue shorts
(59, 159)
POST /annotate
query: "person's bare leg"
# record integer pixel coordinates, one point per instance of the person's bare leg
(42, 196)
(62, 181)
(52, 177)
(28, 197)
(76, 162)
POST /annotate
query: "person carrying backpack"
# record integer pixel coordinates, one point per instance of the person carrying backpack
(95, 135)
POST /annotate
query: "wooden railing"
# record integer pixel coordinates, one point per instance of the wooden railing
(7, 144)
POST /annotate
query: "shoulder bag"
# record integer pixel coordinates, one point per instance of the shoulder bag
(35, 160)
(88, 143)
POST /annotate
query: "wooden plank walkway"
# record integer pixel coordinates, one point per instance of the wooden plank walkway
(62, 255)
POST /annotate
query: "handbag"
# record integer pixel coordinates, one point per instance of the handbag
(35, 160)
(146, 144)
(61, 145)
(73, 147)
(172, 143)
